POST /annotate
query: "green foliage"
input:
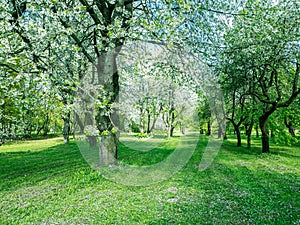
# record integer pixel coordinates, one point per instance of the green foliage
(260, 61)
(141, 135)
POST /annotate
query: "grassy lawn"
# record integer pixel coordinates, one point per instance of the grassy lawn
(46, 182)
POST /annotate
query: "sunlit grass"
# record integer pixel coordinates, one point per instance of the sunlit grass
(30, 145)
(55, 185)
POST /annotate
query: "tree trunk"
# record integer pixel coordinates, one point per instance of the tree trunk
(220, 131)
(79, 122)
(289, 126)
(238, 135)
(182, 129)
(39, 129)
(148, 122)
(141, 125)
(89, 121)
(66, 127)
(171, 131)
(263, 120)
(208, 128)
(107, 117)
(46, 126)
(272, 134)
(249, 132)
(249, 140)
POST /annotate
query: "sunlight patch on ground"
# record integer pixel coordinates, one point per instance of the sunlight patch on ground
(31, 145)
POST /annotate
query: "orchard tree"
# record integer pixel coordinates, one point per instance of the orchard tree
(264, 42)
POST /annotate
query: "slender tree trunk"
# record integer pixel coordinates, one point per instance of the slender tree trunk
(272, 134)
(248, 133)
(66, 128)
(141, 124)
(39, 129)
(153, 124)
(79, 122)
(89, 121)
(208, 128)
(182, 129)
(46, 126)
(148, 122)
(155, 117)
(289, 126)
(238, 135)
(220, 131)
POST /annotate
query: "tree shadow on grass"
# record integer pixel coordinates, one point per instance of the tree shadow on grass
(276, 149)
(21, 169)
(233, 193)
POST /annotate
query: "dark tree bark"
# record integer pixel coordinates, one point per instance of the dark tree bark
(290, 127)
(237, 129)
(263, 120)
(271, 106)
(238, 135)
(249, 128)
(208, 128)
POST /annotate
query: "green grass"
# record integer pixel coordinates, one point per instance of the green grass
(46, 182)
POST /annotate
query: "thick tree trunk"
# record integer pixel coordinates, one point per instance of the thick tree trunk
(263, 120)
(171, 131)
(108, 149)
(107, 117)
